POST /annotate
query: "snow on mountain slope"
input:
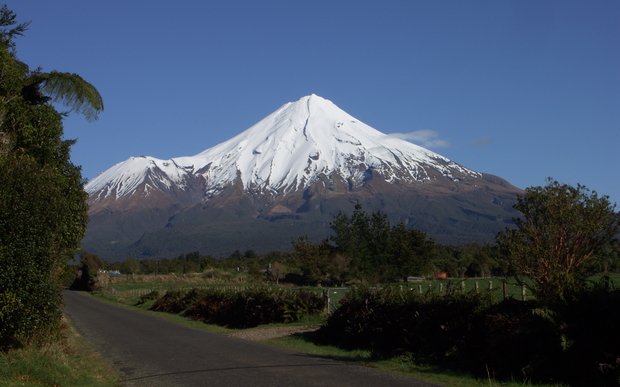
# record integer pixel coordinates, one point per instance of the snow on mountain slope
(288, 150)
(125, 177)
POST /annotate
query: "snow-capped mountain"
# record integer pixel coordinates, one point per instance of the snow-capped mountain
(288, 150)
(284, 177)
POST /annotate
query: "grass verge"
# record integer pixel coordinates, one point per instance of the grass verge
(67, 361)
(401, 364)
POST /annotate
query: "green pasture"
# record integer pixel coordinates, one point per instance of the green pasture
(130, 288)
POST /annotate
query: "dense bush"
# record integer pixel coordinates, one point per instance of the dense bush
(33, 209)
(590, 322)
(243, 308)
(513, 340)
(433, 327)
(43, 210)
(574, 341)
(171, 302)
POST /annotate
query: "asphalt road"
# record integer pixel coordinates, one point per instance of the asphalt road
(151, 351)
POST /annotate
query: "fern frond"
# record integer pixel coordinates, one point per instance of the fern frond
(73, 91)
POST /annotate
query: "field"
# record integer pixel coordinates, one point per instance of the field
(128, 288)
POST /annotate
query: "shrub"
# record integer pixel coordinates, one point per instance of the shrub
(152, 295)
(591, 319)
(432, 327)
(514, 340)
(169, 302)
(244, 308)
(574, 341)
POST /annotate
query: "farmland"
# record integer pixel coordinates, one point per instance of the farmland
(456, 304)
(126, 288)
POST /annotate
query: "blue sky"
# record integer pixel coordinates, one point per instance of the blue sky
(519, 89)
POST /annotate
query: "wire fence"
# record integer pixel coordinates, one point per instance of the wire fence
(499, 289)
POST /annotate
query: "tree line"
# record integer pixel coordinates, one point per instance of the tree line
(564, 235)
(365, 248)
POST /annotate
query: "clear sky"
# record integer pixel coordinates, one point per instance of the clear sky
(519, 89)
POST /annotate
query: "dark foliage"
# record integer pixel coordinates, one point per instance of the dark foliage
(377, 251)
(43, 211)
(244, 308)
(513, 340)
(388, 321)
(575, 341)
(590, 327)
(86, 276)
(170, 302)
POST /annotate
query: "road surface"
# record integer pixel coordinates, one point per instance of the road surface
(152, 351)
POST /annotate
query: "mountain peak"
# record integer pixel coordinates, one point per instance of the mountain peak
(297, 145)
(283, 177)
(313, 97)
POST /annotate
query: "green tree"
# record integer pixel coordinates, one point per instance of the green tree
(130, 266)
(563, 231)
(313, 259)
(377, 251)
(277, 271)
(363, 238)
(410, 252)
(43, 211)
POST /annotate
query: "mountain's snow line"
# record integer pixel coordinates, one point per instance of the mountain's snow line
(287, 150)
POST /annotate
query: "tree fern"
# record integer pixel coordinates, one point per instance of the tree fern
(73, 91)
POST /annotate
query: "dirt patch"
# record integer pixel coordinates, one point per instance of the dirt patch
(261, 334)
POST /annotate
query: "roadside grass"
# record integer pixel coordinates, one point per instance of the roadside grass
(130, 303)
(67, 361)
(403, 364)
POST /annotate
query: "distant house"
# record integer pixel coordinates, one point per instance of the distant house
(442, 275)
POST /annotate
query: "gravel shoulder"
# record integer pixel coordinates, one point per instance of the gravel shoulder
(267, 333)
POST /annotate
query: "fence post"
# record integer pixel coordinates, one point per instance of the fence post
(440, 288)
(477, 287)
(490, 285)
(463, 287)
(523, 290)
(504, 288)
(420, 288)
(327, 300)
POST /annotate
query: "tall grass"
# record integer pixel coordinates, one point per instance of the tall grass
(66, 361)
